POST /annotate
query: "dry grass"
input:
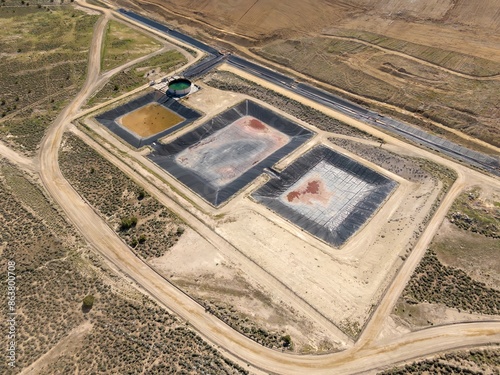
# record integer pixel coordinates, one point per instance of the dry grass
(452, 60)
(387, 78)
(123, 44)
(44, 60)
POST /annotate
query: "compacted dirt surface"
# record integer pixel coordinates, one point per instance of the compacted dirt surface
(85, 218)
(344, 296)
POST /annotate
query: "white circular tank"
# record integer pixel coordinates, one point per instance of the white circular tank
(179, 87)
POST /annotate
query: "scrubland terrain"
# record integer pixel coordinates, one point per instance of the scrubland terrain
(44, 62)
(148, 227)
(242, 265)
(124, 332)
(458, 276)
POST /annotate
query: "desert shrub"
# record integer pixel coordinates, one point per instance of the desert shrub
(127, 223)
(88, 301)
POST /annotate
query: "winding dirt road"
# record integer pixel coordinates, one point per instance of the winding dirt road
(367, 354)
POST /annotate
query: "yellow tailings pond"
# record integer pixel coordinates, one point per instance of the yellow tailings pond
(150, 119)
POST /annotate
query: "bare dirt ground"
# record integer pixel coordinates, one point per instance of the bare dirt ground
(234, 226)
(206, 274)
(261, 19)
(348, 283)
(370, 351)
(435, 28)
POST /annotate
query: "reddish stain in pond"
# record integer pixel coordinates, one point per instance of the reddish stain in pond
(312, 190)
(293, 195)
(313, 187)
(256, 124)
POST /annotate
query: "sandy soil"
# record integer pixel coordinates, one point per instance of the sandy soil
(341, 284)
(193, 255)
(201, 270)
(349, 280)
(367, 355)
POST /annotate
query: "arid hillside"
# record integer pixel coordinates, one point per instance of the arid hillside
(433, 63)
(260, 19)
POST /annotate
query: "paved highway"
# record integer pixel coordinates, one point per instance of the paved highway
(477, 159)
(463, 154)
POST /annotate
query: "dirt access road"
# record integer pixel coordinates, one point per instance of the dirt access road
(366, 355)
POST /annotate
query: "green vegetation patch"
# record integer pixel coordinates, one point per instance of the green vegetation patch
(147, 226)
(473, 362)
(43, 64)
(123, 44)
(472, 213)
(137, 75)
(435, 283)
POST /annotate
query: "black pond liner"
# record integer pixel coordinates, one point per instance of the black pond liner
(109, 118)
(164, 154)
(270, 193)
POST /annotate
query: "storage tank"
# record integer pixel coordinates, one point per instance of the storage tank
(179, 87)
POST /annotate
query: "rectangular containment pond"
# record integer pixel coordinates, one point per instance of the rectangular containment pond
(326, 193)
(150, 119)
(223, 155)
(144, 120)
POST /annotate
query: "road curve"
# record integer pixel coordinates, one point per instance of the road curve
(16, 158)
(360, 358)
